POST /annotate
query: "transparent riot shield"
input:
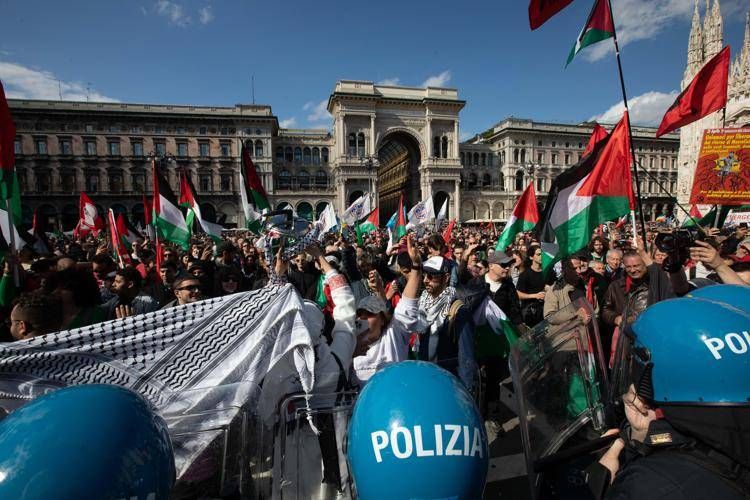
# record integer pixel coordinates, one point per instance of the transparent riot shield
(302, 452)
(560, 381)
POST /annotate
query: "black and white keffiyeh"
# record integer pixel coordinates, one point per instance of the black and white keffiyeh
(218, 349)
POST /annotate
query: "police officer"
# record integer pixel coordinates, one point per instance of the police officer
(685, 396)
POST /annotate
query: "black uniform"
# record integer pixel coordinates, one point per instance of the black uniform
(670, 465)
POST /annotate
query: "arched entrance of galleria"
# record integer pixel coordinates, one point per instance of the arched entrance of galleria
(398, 172)
(393, 141)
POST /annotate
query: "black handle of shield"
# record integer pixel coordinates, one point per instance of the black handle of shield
(573, 451)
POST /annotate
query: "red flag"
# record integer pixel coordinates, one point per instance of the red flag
(597, 135)
(621, 222)
(541, 10)
(611, 175)
(705, 94)
(118, 247)
(7, 135)
(695, 213)
(146, 210)
(89, 219)
(448, 233)
(159, 254)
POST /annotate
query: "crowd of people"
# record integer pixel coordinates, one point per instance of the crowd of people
(81, 284)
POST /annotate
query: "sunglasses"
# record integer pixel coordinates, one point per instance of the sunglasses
(506, 265)
(192, 288)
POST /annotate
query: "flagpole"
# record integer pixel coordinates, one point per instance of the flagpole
(630, 135)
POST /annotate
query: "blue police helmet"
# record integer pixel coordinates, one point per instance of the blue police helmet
(734, 295)
(416, 433)
(88, 441)
(697, 351)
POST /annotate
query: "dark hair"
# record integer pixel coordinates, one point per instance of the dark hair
(43, 310)
(225, 272)
(177, 283)
(530, 251)
(740, 267)
(43, 265)
(226, 247)
(131, 275)
(403, 260)
(103, 259)
(81, 283)
(436, 242)
(605, 244)
(168, 263)
(569, 273)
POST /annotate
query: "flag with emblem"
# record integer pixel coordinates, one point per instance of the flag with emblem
(357, 210)
(88, 217)
(524, 217)
(421, 213)
(595, 190)
(252, 193)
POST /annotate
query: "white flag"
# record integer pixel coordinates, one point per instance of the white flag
(327, 220)
(19, 242)
(421, 212)
(441, 215)
(361, 207)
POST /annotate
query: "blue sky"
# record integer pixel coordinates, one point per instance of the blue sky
(204, 52)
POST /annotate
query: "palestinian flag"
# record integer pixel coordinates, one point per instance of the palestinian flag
(709, 219)
(524, 217)
(595, 190)
(253, 195)
(599, 26)
(168, 220)
(127, 233)
(399, 231)
(189, 200)
(597, 135)
(369, 225)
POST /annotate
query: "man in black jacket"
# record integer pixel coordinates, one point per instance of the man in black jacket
(496, 282)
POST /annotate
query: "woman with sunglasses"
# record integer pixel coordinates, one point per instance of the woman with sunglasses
(229, 281)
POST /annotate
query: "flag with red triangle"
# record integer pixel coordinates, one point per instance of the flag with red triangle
(597, 189)
(598, 27)
(369, 225)
(524, 217)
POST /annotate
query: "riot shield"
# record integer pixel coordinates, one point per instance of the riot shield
(560, 381)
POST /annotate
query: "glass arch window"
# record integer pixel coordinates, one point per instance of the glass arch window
(303, 178)
(306, 156)
(298, 155)
(288, 155)
(316, 156)
(259, 148)
(285, 179)
(519, 180)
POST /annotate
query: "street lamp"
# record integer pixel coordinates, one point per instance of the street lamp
(369, 163)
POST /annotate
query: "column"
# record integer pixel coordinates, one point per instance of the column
(455, 139)
(372, 135)
(343, 135)
(428, 139)
(456, 200)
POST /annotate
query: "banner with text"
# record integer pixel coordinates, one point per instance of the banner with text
(722, 174)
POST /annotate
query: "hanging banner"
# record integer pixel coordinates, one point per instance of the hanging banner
(722, 174)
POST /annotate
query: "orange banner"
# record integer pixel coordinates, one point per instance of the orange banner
(722, 174)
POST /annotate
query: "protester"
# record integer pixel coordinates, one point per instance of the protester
(530, 288)
(79, 297)
(34, 314)
(187, 289)
(128, 299)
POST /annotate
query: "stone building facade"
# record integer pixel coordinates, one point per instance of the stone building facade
(388, 140)
(706, 40)
(501, 162)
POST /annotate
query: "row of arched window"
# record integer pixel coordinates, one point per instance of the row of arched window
(299, 155)
(254, 148)
(357, 145)
(473, 180)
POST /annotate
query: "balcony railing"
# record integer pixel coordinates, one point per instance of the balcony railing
(297, 186)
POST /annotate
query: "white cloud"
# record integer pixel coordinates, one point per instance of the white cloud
(646, 109)
(144, 11)
(174, 12)
(318, 111)
(438, 80)
(26, 83)
(205, 14)
(389, 81)
(288, 123)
